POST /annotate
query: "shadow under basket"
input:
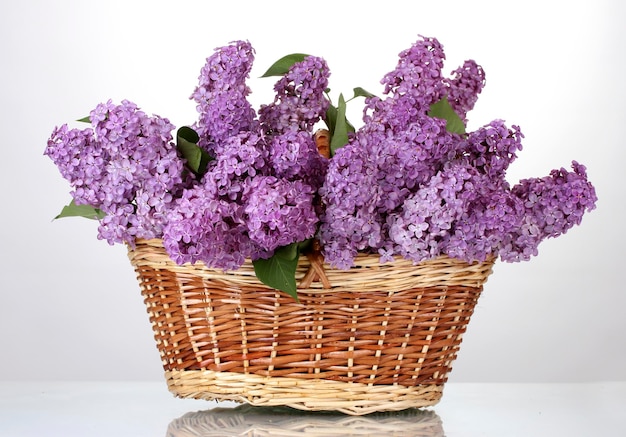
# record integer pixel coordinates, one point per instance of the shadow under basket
(383, 337)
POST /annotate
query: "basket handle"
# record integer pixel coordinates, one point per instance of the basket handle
(316, 270)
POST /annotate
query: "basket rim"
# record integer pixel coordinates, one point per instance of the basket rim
(367, 274)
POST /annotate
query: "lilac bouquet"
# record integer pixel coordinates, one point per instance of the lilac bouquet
(243, 184)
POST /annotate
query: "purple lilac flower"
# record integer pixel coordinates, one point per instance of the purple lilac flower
(371, 177)
(418, 73)
(464, 87)
(553, 205)
(421, 226)
(127, 166)
(417, 82)
(244, 156)
(80, 160)
(411, 87)
(407, 159)
(344, 235)
(221, 96)
(222, 233)
(204, 228)
(350, 195)
(490, 212)
(279, 212)
(241, 210)
(492, 148)
(294, 156)
(403, 185)
(300, 101)
(208, 223)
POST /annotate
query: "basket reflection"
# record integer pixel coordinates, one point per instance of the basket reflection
(246, 420)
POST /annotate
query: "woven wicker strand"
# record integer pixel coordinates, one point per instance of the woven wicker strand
(382, 338)
(308, 395)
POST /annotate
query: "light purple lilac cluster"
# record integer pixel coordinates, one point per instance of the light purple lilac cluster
(405, 186)
(125, 165)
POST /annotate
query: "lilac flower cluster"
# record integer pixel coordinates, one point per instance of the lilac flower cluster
(203, 227)
(553, 205)
(294, 155)
(126, 166)
(280, 212)
(221, 96)
(414, 85)
(418, 73)
(300, 98)
(406, 186)
(259, 193)
(464, 87)
(240, 210)
(422, 224)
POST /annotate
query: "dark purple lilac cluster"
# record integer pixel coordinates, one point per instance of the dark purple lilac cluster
(125, 165)
(405, 185)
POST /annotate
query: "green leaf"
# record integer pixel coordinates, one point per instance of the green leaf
(360, 92)
(342, 126)
(187, 143)
(281, 67)
(84, 120)
(279, 271)
(87, 211)
(331, 118)
(443, 109)
(350, 126)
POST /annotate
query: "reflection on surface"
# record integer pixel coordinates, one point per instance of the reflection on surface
(287, 422)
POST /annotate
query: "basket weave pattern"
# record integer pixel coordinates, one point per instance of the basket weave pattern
(387, 332)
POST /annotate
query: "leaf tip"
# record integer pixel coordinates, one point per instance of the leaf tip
(282, 66)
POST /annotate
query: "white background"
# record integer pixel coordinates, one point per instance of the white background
(70, 307)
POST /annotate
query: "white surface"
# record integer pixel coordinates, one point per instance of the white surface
(71, 307)
(467, 410)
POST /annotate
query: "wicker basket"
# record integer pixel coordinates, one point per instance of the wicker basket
(382, 338)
